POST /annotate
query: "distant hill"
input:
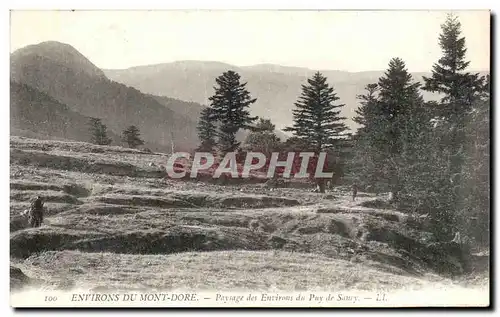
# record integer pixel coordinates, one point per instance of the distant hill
(275, 87)
(61, 72)
(63, 54)
(163, 100)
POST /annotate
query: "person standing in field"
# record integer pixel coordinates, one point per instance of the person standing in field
(35, 214)
(354, 191)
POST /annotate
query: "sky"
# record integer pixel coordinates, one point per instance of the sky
(324, 40)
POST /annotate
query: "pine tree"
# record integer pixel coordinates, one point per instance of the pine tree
(459, 88)
(448, 74)
(98, 132)
(207, 131)
(454, 114)
(475, 219)
(391, 134)
(230, 109)
(408, 125)
(317, 119)
(132, 137)
(367, 110)
(367, 151)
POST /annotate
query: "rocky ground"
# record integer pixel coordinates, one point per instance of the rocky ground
(115, 222)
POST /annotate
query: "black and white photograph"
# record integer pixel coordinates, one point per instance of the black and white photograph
(250, 158)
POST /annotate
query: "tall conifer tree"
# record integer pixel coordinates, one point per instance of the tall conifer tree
(317, 120)
(392, 124)
(454, 114)
(230, 108)
(459, 88)
(207, 131)
(99, 132)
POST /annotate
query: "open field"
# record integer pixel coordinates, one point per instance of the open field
(114, 222)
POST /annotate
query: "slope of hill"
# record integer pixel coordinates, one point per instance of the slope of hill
(275, 87)
(192, 110)
(61, 72)
(36, 114)
(188, 109)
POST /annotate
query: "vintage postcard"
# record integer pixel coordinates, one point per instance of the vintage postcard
(255, 158)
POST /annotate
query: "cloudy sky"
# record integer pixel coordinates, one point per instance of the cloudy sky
(340, 40)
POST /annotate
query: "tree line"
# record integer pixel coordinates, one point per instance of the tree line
(99, 134)
(433, 156)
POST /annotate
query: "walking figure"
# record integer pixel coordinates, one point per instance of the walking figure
(354, 191)
(35, 215)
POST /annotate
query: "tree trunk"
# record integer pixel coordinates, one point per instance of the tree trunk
(321, 185)
(172, 142)
(320, 182)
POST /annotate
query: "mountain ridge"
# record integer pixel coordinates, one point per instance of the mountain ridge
(276, 87)
(275, 66)
(164, 100)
